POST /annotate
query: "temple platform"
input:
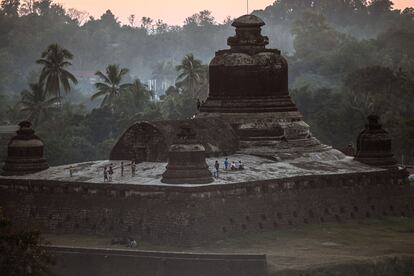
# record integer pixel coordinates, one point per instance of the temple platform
(259, 167)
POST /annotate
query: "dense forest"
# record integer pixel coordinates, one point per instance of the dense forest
(82, 80)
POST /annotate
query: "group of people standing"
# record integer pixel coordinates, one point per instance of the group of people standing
(233, 166)
(109, 171)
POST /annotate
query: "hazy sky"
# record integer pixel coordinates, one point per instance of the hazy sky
(175, 11)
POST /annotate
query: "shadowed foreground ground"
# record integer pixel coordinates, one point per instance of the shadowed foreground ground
(368, 247)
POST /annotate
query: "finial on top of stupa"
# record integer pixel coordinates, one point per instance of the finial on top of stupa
(248, 33)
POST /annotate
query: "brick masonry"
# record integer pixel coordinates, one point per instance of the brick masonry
(188, 215)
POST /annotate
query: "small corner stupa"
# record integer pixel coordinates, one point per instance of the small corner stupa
(249, 90)
(187, 160)
(25, 152)
(374, 146)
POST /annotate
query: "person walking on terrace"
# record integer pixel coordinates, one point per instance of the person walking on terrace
(226, 164)
(110, 172)
(105, 175)
(217, 168)
(133, 168)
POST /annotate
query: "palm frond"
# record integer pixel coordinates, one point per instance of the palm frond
(98, 94)
(102, 76)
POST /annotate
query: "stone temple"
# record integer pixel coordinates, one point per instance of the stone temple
(249, 90)
(289, 177)
(248, 107)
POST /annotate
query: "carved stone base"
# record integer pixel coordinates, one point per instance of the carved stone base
(187, 165)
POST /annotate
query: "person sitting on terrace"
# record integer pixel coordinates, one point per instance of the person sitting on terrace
(241, 166)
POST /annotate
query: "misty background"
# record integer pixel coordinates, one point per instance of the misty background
(347, 59)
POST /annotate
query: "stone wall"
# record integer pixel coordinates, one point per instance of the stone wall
(186, 215)
(82, 261)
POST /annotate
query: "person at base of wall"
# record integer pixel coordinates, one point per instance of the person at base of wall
(132, 243)
(233, 166)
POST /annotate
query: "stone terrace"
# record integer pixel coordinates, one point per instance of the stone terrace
(256, 169)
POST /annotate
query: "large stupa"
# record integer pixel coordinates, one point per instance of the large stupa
(249, 90)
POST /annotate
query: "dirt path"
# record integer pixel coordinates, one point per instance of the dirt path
(300, 248)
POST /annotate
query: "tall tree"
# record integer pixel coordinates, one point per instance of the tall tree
(131, 20)
(111, 85)
(147, 24)
(380, 6)
(54, 75)
(190, 76)
(203, 18)
(36, 104)
(27, 7)
(10, 7)
(42, 7)
(313, 35)
(131, 104)
(78, 16)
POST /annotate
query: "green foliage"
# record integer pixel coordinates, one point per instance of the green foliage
(111, 85)
(191, 75)
(36, 103)
(314, 36)
(133, 99)
(54, 75)
(20, 253)
(10, 7)
(346, 59)
(104, 148)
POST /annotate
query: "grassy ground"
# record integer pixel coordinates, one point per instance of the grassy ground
(300, 247)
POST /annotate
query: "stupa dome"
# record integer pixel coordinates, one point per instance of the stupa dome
(25, 152)
(374, 145)
(248, 71)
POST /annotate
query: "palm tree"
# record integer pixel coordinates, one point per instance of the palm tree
(134, 99)
(36, 103)
(191, 74)
(140, 91)
(54, 75)
(111, 85)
